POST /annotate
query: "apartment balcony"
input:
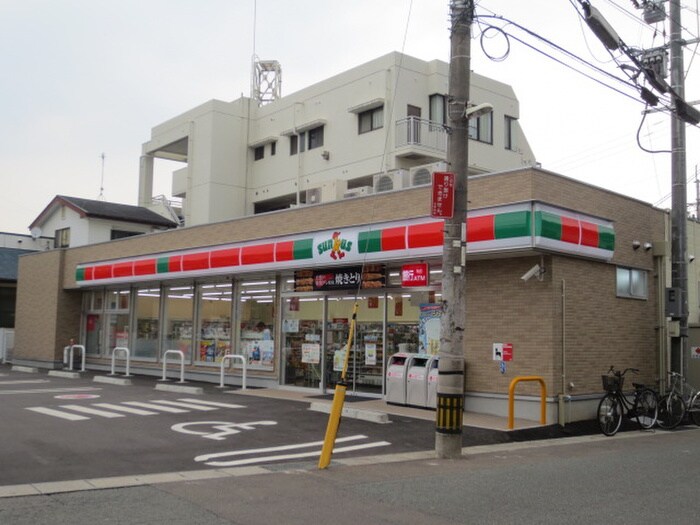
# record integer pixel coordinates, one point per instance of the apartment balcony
(418, 138)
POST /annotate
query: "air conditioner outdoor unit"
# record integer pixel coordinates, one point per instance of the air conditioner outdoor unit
(313, 196)
(422, 175)
(358, 192)
(394, 180)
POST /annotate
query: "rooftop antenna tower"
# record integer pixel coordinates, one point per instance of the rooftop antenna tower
(102, 179)
(267, 81)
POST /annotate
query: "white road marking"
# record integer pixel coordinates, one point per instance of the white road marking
(91, 411)
(280, 448)
(153, 406)
(23, 381)
(211, 403)
(50, 390)
(57, 413)
(183, 405)
(281, 457)
(225, 428)
(128, 410)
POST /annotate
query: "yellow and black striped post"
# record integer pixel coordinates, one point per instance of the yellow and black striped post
(450, 413)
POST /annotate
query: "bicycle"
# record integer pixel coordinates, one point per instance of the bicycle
(614, 404)
(680, 400)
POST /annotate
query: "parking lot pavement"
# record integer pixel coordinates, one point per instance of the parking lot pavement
(66, 430)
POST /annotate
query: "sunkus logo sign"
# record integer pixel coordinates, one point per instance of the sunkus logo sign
(336, 247)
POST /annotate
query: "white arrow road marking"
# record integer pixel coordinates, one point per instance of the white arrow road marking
(280, 457)
(57, 413)
(226, 428)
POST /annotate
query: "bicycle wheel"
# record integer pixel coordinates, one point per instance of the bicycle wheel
(671, 411)
(609, 414)
(694, 410)
(646, 403)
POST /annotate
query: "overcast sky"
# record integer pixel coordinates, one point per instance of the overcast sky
(79, 78)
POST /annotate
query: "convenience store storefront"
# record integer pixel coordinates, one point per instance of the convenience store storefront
(285, 303)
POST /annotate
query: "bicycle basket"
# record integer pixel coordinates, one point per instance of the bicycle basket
(612, 383)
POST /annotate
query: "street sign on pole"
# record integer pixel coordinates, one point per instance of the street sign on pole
(442, 204)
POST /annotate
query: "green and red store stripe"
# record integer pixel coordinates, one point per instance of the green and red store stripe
(508, 227)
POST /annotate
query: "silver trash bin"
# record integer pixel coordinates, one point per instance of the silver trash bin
(396, 378)
(417, 380)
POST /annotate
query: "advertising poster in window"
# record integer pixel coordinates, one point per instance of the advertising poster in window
(338, 360)
(311, 353)
(370, 354)
(429, 328)
(260, 353)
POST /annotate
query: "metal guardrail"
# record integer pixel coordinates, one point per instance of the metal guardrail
(231, 358)
(114, 355)
(182, 363)
(511, 399)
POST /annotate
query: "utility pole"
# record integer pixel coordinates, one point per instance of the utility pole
(453, 323)
(679, 200)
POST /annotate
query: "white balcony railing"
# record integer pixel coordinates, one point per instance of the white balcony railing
(421, 133)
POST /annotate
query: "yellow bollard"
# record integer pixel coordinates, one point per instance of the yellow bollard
(333, 425)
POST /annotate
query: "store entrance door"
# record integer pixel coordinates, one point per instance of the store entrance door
(366, 361)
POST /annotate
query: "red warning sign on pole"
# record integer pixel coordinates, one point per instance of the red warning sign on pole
(442, 205)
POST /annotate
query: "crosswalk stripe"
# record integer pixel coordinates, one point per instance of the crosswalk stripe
(211, 403)
(92, 411)
(153, 406)
(128, 410)
(57, 413)
(184, 405)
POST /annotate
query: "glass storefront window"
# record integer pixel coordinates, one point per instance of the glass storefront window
(179, 305)
(257, 318)
(147, 311)
(117, 317)
(366, 361)
(214, 340)
(92, 312)
(302, 326)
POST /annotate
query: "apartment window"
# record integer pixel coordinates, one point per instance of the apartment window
(481, 128)
(631, 283)
(509, 133)
(316, 137)
(273, 148)
(437, 109)
(293, 144)
(302, 142)
(62, 238)
(259, 152)
(370, 120)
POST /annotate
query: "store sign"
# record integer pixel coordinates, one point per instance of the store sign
(442, 204)
(348, 278)
(414, 275)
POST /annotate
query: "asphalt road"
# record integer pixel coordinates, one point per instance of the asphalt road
(630, 478)
(58, 429)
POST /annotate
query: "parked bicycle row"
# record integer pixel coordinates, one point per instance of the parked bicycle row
(645, 404)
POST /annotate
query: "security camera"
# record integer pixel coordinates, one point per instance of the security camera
(691, 258)
(535, 270)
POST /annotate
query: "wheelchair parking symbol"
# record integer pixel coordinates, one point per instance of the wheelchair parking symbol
(217, 430)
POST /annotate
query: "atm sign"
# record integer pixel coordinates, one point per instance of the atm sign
(414, 274)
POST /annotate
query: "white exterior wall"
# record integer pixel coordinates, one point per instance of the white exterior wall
(223, 180)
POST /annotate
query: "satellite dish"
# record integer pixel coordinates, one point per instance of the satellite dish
(36, 232)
